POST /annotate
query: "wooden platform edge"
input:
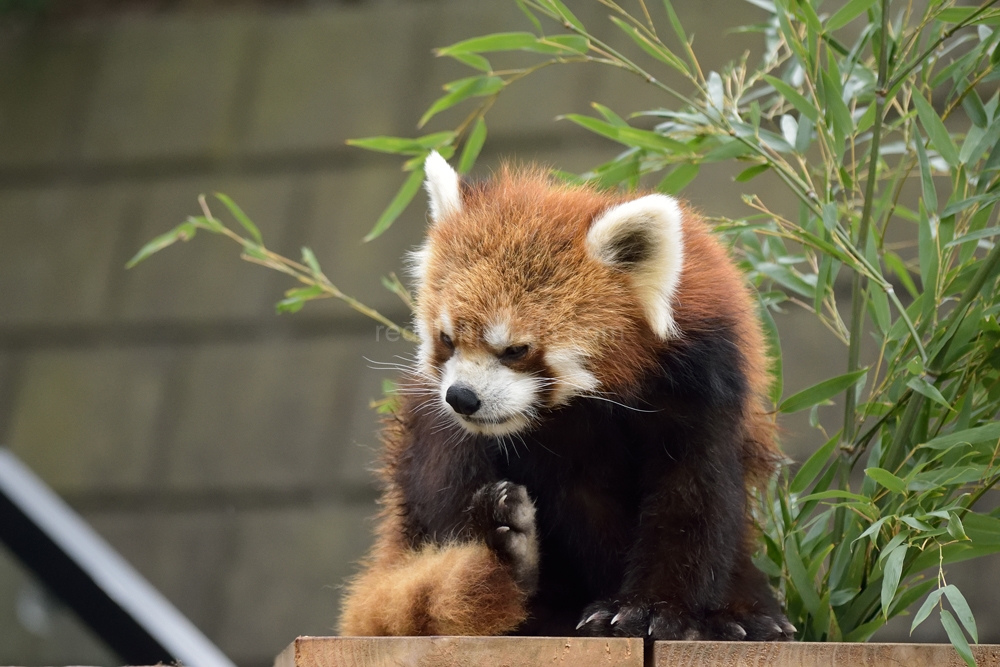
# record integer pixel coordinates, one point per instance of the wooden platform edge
(816, 654)
(462, 652)
(623, 652)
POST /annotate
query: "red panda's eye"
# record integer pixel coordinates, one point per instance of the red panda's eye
(513, 353)
(446, 339)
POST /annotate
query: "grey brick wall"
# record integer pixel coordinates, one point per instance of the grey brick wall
(222, 449)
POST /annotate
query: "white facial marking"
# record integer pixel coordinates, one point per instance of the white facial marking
(445, 323)
(571, 375)
(416, 262)
(507, 397)
(425, 351)
(498, 335)
(442, 187)
(651, 227)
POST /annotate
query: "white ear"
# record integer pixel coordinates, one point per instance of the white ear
(644, 239)
(442, 186)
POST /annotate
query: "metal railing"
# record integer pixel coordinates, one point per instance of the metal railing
(83, 570)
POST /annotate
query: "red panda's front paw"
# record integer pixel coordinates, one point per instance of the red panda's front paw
(651, 621)
(503, 515)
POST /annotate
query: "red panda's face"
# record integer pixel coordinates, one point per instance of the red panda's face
(530, 295)
(494, 372)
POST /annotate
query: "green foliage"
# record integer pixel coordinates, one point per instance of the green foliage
(307, 272)
(844, 108)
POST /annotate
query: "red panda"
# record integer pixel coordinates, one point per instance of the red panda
(576, 445)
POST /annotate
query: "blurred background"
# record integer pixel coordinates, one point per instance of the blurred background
(222, 449)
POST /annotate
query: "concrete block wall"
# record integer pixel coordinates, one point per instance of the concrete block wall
(222, 449)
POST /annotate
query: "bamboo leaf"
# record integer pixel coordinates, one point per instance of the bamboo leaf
(872, 530)
(962, 204)
(926, 608)
(926, 180)
(393, 145)
(501, 41)
(296, 298)
(241, 217)
(893, 543)
(610, 115)
(798, 101)
(993, 159)
(678, 178)
(716, 91)
(404, 146)
(183, 232)
(679, 31)
(658, 51)
(890, 579)
(957, 638)
(838, 115)
(436, 140)
(989, 232)
(848, 13)
(887, 479)
(805, 587)
(531, 16)
(821, 392)
(477, 86)
(473, 145)
(895, 263)
(867, 119)
(595, 125)
(473, 60)
(804, 135)
(813, 465)
(936, 131)
(921, 386)
(398, 204)
(835, 493)
(928, 242)
(973, 106)
(785, 277)
(956, 529)
(632, 136)
(309, 259)
(565, 13)
(914, 523)
(971, 436)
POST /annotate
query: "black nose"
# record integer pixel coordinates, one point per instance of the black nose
(463, 399)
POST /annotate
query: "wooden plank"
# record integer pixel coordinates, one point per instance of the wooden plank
(810, 654)
(461, 652)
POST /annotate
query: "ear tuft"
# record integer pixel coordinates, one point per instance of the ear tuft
(416, 262)
(644, 239)
(442, 187)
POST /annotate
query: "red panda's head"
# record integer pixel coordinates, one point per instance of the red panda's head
(530, 294)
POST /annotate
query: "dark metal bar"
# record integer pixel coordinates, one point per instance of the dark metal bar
(78, 566)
